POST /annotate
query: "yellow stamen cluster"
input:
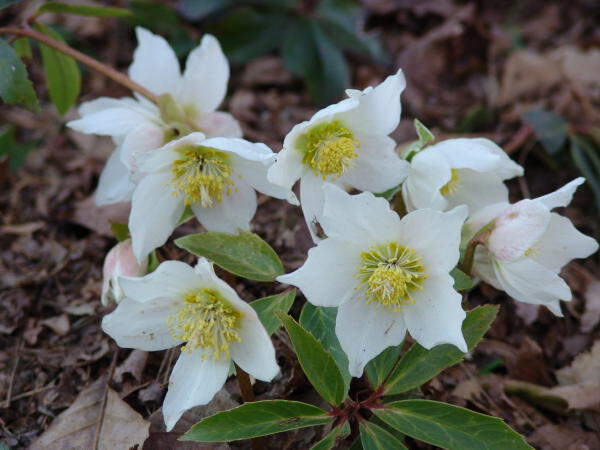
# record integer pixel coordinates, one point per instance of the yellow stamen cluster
(202, 175)
(206, 321)
(451, 186)
(390, 273)
(329, 148)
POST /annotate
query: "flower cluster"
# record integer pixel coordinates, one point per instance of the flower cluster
(387, 270)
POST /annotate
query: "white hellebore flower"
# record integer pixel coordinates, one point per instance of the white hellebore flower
(346, 143)
(177, 304)
(216, 177)
(120, 261)
(526, 246)
(458, 172)
(188, 103)
(386, 274)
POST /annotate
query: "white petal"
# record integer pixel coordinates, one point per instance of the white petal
(332, 112)
(465, 153)
(193, 382)
(483, 267)
(528, 281)
(255, 174)
(144, 137)
(218, 123)
(233, 212)
(171, 279)
(99, 104)
(328, 276)
(241, 148)
(561, 243)
(115, 183)
(562, 196)
(162, 158)
(312, 199)
(155, 212)
(435, 236)
(116, 122)
(517, 229)
(364, 331)
(287, 169)
(478, 219)
(205, 77)
(506, 168)
(255, 353)
(155, 65)
(436, 316)
(428, 173)
(378, 167)
(477, 190)
(142, 325)
(363, 218)
(379, 108)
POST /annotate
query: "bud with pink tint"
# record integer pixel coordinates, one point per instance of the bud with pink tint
(120, 261)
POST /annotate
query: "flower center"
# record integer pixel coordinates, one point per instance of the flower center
(451, 186)
(207, 321)
(390, 273)
(202, 175)
(329, 148)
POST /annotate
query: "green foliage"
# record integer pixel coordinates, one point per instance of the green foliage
(424, 138)
(7, 3)
(10, 148)
(62, 73)
(419, 365)
(245, 254)
(23, 48)
(379, 367)
(462, 281)
(549, 128)
(267, 307)
(153, 261)
(336, 434)
(320, 321)
(449, 426)
(256, 419)
(317, 363)
(83, 10)
(15, 87)
(587, 160)
(120, 231)
(374, 437)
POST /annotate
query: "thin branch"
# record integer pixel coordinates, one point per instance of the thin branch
(111, 372)
(247, 392)
(88, 61)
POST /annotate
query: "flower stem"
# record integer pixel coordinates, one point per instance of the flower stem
(467, 263)
(88, 61)
(247, 392)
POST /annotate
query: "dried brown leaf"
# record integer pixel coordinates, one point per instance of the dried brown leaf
(591, 316)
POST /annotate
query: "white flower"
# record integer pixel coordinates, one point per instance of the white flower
(346, 143)
(216, 177)
(458, 172)
(120, 261)
(189, 104)
(527, 246)
(386, 274)
(177, 304)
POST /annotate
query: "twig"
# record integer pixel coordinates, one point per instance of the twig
(247, 392)
(92, 63)
(34, 391)
(111, 371)
(13, 373)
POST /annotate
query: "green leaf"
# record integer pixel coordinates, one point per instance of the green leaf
(120, 231)
(462, 281)
(15, 151)
(379, 367)
(334, 436)
(423, 132)
(320, 321)
(419, 365)
(186, 215)
(373, 437)
(23, 48)
(7, 3)
(390, 193)
(255, 419)
(317, 363)
(153, 262)
(198, 10)
(245, 255)
(83, 10)
(15, 87)
(62, 73)
(266, 308)
(549, 128)
(586, 158)
(449, 426)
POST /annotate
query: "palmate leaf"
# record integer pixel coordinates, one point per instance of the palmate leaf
(374, 437)
(449, 426)
(255, 419)
(244, 254)
(15, 87)
(316, 362)
(419, 365)
(267, 307)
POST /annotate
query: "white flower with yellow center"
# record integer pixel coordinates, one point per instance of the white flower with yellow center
(458, 172)
(189, 103)
(526, 246)
(347, 144)
(177, 304)
(216, 177)
(385, 274)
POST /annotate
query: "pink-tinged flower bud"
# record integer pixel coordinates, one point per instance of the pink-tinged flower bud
(517, 229)
(120, 261)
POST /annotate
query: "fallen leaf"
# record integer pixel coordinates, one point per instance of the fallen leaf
(591, 316)
(122, 427)
(59, 324)
(552, 437)
(133, 365)
(98, 218)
